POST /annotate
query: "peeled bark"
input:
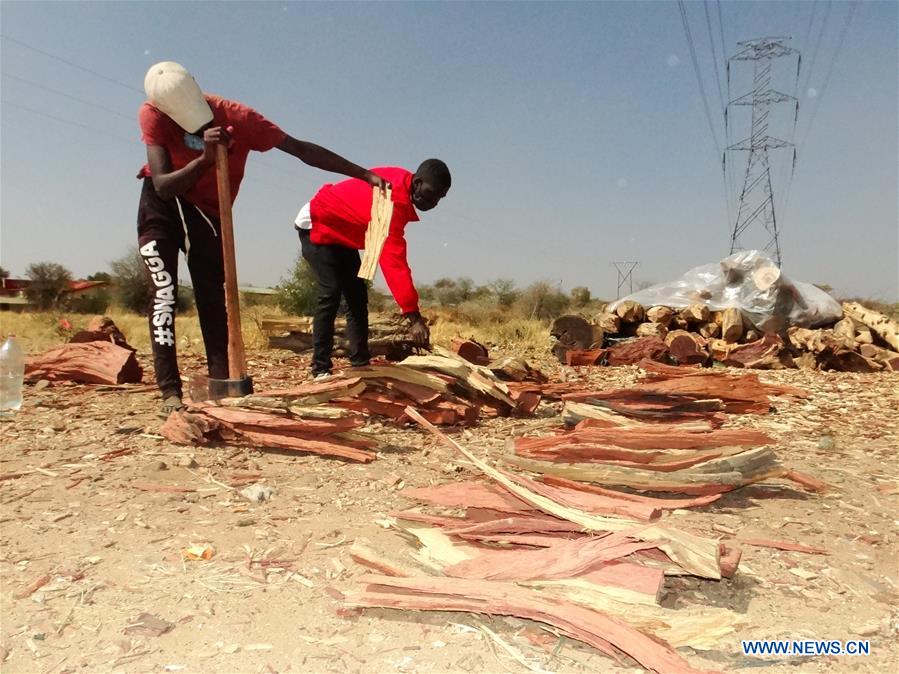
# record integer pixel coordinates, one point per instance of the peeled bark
(86, 363)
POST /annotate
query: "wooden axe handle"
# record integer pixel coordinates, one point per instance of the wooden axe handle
(236, 356)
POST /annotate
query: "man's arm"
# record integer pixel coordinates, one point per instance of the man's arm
(169, 183)
(319, 157)
(398, 276)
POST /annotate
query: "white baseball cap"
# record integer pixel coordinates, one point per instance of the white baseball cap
(176, 93)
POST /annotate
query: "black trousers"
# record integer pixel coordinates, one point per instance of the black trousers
(163, 228)
(335, 269)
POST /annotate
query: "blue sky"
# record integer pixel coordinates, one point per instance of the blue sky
(575, 131)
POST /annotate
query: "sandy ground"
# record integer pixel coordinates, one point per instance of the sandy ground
(113, 552)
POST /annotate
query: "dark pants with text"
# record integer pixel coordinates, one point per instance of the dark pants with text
(163, 228)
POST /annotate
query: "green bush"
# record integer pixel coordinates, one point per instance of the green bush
(298, 292)
(96, 302)
(49, 285)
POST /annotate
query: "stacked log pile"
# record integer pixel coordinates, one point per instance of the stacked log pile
(863, 341)
(387, 336)
(588, 560)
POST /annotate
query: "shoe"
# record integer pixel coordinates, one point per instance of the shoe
(322, 376)
(171, 404)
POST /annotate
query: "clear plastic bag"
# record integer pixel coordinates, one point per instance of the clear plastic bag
(750, 281)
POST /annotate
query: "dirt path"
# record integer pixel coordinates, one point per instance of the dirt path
(113, 551)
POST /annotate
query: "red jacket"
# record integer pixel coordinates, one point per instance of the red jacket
(340, 215)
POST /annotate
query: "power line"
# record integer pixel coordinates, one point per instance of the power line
(817, 47)
(103, 132)
(705, 100)
(72, 64)
(130, 118)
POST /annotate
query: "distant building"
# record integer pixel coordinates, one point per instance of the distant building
(12, 291)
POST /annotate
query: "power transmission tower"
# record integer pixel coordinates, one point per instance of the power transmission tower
(757, 195)
(625, 275)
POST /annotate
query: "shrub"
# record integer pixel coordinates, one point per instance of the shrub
(49, 285)
(298, 293)
(541, 300)
(133, 289)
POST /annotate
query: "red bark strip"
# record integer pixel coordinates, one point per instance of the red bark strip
(661, 503)
(323, 447)
(576, 357)
(644, 348)
(599, 630)
(652, 438)
(472, 351)
(34, 587)
(116, 453)
(566, 559)
(470, 494)
(784, 545)
(281, 424)
(807, 481)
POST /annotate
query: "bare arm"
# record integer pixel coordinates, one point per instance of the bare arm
(319, 157)
(169, 183)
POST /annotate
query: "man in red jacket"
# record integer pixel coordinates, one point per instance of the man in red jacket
(181, 127)
(332, 231)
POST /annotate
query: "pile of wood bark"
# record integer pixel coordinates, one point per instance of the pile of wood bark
(862, 341)
(587, 560)
(319, 417)
(570, 547)
(98, 355)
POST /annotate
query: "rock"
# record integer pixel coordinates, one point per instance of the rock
(160, 465)
(188, 462)
(41, 385)
(826, 443)
(257, 493)
(868, 629)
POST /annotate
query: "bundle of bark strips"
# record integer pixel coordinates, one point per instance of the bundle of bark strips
(98, 355)
(295, 420)
(590, 565)
(862, 341)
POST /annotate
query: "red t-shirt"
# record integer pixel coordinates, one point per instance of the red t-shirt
(340, 215)
(252, 131)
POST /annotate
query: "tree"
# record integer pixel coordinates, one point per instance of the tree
(504, 291)
(49, 285)
(4, 273)
(580, 296)
(542, 300)
(298, 293)
(133, 290)
(104, 276)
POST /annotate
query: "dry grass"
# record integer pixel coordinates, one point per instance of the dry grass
(39, 331)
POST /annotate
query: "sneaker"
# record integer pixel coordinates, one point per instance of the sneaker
(322, 376)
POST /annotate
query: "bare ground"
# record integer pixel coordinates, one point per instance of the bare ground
(76, 512)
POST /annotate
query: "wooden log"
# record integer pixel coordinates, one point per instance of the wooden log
(708, 330)
(86, 363)
(610, 323)
(845, 328)
(884, 327)
(652, 330)
(574, 332)
(767, 353)
(512, 368)
(863, 335)
(696, 313)
(470, 350)
(687, 348)
(630, 311)
(731, 325)
(890, 359)
(630, 353)
(678, 323)
(661, 315)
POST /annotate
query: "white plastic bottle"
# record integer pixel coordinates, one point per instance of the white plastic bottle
(12, 373)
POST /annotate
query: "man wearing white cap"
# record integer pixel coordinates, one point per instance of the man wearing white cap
(181, 127)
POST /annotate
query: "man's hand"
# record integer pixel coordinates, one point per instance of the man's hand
(213, 136)
(375, 180)
(418, 330)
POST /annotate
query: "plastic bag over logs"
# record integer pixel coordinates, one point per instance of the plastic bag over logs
(750, 281)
